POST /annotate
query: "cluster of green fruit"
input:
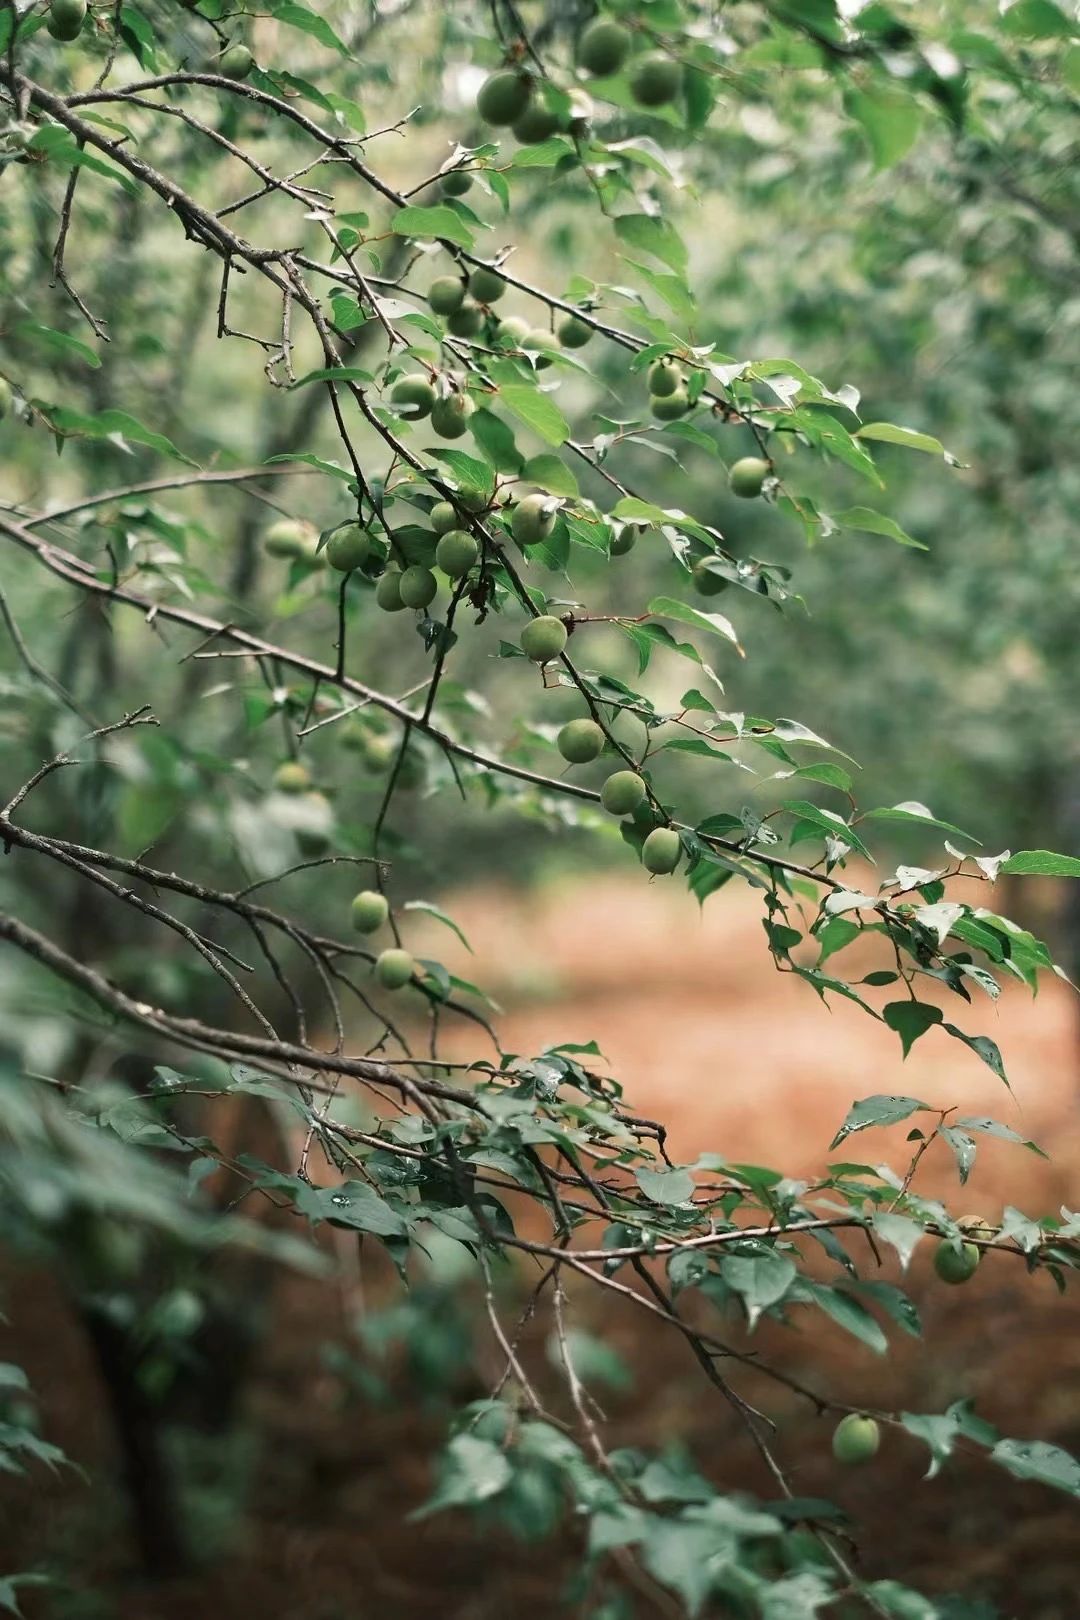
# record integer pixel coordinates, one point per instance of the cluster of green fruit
(512, 98)
(66, 18)
(580, 742)
(394, 968)
(466, 307)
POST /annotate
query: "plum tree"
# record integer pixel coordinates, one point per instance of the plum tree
(661, 851)
(580, 741)
(747, 476)
(456, 553)
(603, 47)
(369, 911)
(856, 1439)
(543, 638)
(622, 793)
(394, 968)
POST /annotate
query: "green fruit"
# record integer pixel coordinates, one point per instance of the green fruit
(603, 48)
(354, 736)
(315, 840)
(748, 476)
(236, 62)
(289, 537)
(655, 80)
(513, 330)
(534, 519)
(543, 639)
(661, 850)
(622, 793)
(473, 500)
(486, 286)
(414, 395)
(665, 376)
(446, 294)
(580, 741)
(292, 777)
(348, 548)
(572, 333)
(668, 408)
(388, 591)
(443, 517)
(626, 538)
(465, 322)
(5, 397)
(545, 343)
(537, 123)
(450, 416)
(66, 18)
(456, 183)
(418, 586)
(956, 1265)
(504, 97)
(707, 581)
(456, 552)
(369, 911)
(855, 1439)
(380, 752)
(394, 968)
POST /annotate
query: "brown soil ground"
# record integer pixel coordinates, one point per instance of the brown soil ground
(736, 1058)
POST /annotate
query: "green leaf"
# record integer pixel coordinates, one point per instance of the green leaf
(668, 607)
(1041, 863)
(912, 811)
(353, 1203)
(647, 233)
(908, 438)
(496, 440)
(890, 121)
(473, 1471)
(432, 910)
(308, 22)
(538, 411)
(666, 1186)
(117, 426)
(877, 1110)
(332, 374)
(867, 521)
(551, 474)
(828, 821)
(1037, 1460)
(910, 1019)
(847, 1313)
(761, 1280)
(903, 1234)
(439, 222)
(61, 342)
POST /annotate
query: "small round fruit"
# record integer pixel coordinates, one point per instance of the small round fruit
(544, 343)
(288, 537)
(369, 911)
(456, 553)
(855, 1439)
(665, 376)
(537, 123)
(956, 1265)
(486, 286)
(465, 322)
(418, 586)
(512, 331)
(622, 793)
(473, 500)
(747, 476)
(534, 519)
(380, 752)
(655, 80)
(236, 62)
(5, 397)
(443, 517)
(543, 639)
(573, 333)
(446, 294)
(348, 548)
(603, 47)
(388, 591)
(394, 968)
(707, 582)
(661, 850)
(292, 777)
(413, 396)
(626, 538)
(669, 407)
(504, 97)
(455, 183)
(450, 416)
(66, 18)
(580, 741)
